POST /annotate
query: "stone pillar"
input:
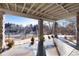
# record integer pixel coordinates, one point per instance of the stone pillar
(77, 29)
(1, 31)
(41, 50)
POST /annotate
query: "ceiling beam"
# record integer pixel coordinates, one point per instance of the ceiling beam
(58, 9)
(64, 9)
(41, 13)
(73, 6)
(41, 5)
(76, 9)
(61, 3)
(22, 14)
(66, 15)
(73, 9)
(30, 8)
(36, 11)
(45, 8)
(70, 14)
(51, 16)
(7, 5)
(67, 5)
(59, 13)
(55, 10)
(50, 10)
(23, 7)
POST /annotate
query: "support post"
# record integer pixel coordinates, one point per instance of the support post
(1, 30)
(41, 49)
(55, 29)
(78, 29)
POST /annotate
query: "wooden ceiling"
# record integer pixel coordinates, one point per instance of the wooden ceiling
(53, 11)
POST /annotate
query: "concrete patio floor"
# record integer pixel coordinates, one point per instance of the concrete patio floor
(26, 50)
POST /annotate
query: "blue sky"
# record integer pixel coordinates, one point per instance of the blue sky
(27, 21)
(19, 20)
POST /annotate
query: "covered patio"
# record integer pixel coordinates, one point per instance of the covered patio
(43, 11)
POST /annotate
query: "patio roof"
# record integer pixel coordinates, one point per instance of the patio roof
(53, 11)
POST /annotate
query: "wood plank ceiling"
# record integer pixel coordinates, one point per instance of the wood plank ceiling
(53, 11)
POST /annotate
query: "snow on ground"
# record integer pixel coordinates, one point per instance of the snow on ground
(22, 48)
